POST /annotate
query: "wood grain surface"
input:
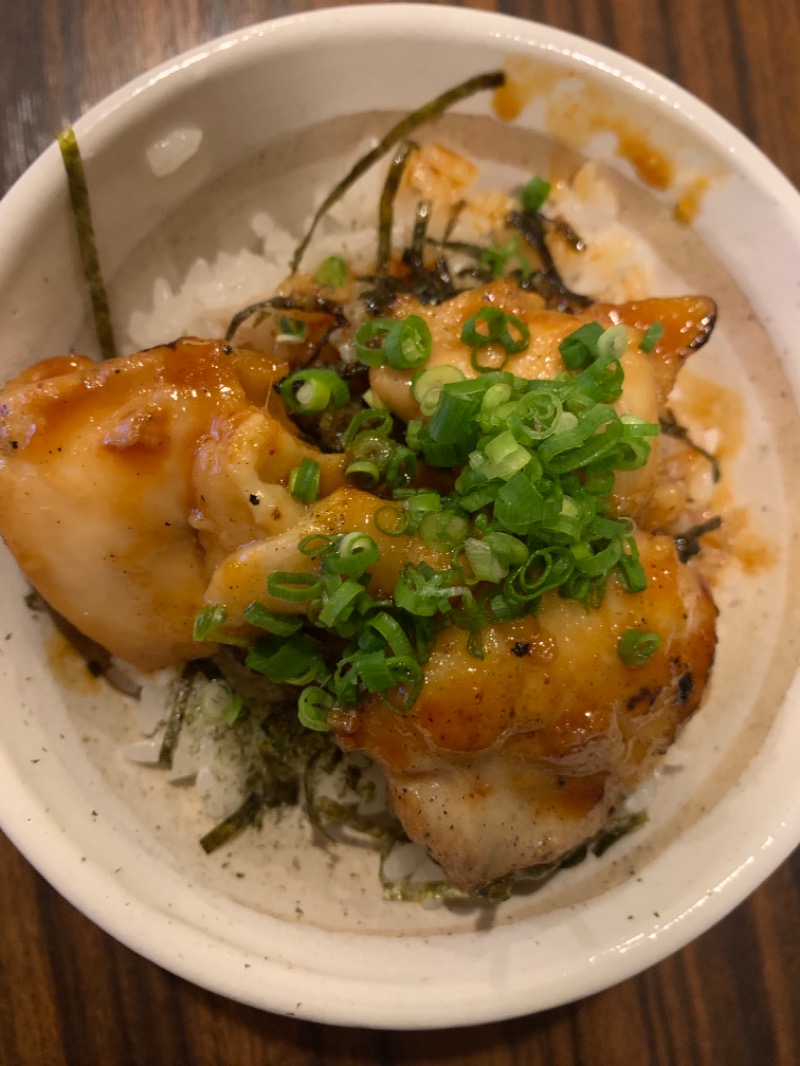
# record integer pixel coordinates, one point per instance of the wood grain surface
(69, 994)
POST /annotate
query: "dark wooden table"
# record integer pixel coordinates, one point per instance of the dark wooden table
(69, 993)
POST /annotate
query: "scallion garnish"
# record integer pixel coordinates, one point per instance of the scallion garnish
(490, 325)
(291, 330)
(304, 481)
(652, 336)
(408, 343)
(526, 515)
(208, 626)
(403, 344)
(535, 194)
(635, 647)
(579, 349)
(313, 391)
(331, 272)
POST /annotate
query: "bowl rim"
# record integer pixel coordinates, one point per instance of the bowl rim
(102, 898)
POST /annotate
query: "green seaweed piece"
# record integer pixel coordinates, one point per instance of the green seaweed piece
(230, 827)
(87, 243)
(399, 132)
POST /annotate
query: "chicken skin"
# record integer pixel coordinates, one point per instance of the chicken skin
(510, 760)
(122, 483)
(649, 376)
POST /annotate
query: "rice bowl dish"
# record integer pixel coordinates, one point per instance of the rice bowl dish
(279, 884)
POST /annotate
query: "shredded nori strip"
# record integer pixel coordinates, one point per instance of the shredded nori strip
(175, 721)
(615, 829)
(235, 823)
(99, 660)
(286, 303)
(386, 205)
(670, 427)
(687, 543)
(419, 235)
(399, 132)
(87, 243)
(546, 282)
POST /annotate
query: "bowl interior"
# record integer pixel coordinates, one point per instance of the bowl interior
(278, 920)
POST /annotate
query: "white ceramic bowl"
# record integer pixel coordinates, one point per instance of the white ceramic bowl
(311, 938)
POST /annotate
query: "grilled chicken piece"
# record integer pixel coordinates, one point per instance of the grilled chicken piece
(512, 760)
(649, 377)
(122, 484)
(242, 576)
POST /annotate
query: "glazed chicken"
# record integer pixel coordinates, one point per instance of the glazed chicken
(133, 492)
(122, 485)
(509, 761)
(649, 377)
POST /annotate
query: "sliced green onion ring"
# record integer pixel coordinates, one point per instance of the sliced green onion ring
(635, 647)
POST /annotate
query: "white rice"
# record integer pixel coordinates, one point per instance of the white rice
(616, 265)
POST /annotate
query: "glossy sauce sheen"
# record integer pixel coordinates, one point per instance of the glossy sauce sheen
(107, 482)
(505, 761)
(163, 479)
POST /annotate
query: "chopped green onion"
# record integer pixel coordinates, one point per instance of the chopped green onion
(454, 418)
(442, 531)
(313, 391)
(612, 343)
(579, 349)
(427, 386)
(234, 711)
(331, 271)
(355, 553)
(403, 343)
(392, 632)
(365, 473)
(408, 343)
(485, 564)
(341, 604)
(376, 421)
(294, 587)
(392, 521)
(208, 624)
(635, 648)
(280, 625)
(290, 662)
(316, 544)
(313, 708)
(499, 327)
(652, 336)
(292, 330)
(534, 194)
(369, 339)
(630, 569)
(304, 481)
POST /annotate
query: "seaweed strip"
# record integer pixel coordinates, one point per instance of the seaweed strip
(547, 281)
(234, 824)
(615, 829)
(418, 237)
(175, 722)
(286, 303)
(670, 427)
(87, 244)
(386, 206)
(398, 132)
(99, 660)
(687, 544)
